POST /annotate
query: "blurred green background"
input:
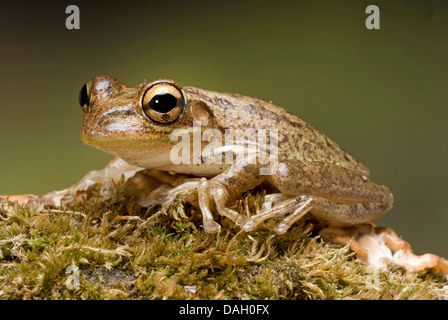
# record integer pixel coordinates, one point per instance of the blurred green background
(381, 94)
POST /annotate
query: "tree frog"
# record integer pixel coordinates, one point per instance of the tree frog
(310, 173)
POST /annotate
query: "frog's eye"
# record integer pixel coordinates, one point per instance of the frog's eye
(84, 97)
(163, 103)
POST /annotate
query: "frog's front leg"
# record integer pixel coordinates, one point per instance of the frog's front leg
(225, 188)
(112, 172)
(106, 177)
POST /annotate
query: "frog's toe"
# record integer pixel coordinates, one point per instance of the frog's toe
(281, 228)
(211, 226)
(249, 225)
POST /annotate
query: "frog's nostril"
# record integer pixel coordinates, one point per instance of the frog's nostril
(84, 97)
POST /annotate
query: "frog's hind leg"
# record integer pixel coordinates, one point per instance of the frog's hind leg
(330, 192)
(303, 206)
(323, 209)
(347, 214)
(333, 213)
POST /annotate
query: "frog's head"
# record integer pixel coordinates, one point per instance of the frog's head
(136, 123)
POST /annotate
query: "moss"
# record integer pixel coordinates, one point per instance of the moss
(124, 252)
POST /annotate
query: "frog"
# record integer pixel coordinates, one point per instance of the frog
(311, 174)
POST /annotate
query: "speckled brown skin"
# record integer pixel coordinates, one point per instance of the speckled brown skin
(326, 180)
(115, 124)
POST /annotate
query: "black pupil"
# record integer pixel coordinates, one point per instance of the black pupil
(163, 103)
(83, 96)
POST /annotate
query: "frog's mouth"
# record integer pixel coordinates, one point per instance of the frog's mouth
(148, 152)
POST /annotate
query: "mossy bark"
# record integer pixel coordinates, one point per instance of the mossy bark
(119, 251)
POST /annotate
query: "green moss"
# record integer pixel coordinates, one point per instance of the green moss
(124, 252)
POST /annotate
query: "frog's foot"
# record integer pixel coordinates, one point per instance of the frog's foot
(74, 194)
(61, 198)
(209, 224)
(299, 206)
(186, 188)
(208, 190)
(379, 247)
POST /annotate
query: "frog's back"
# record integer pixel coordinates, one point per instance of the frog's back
(296, 139)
